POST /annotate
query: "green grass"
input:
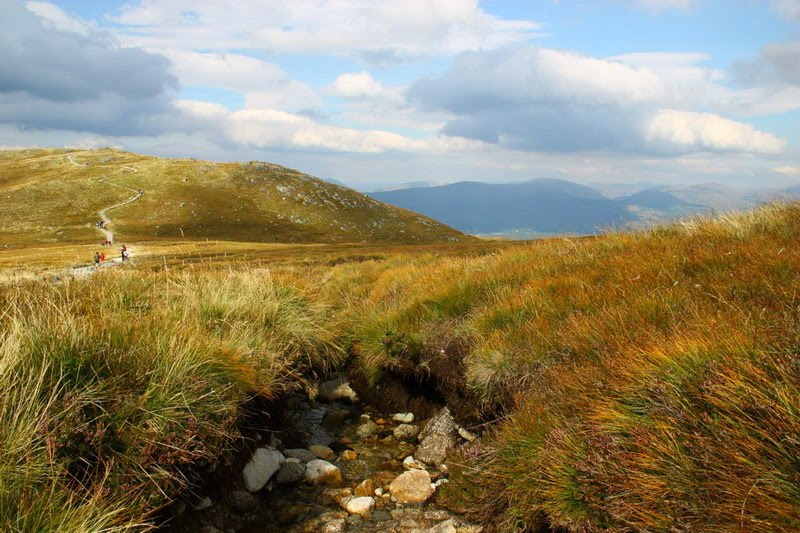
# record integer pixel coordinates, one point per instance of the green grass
(119, 386)
(47, 199)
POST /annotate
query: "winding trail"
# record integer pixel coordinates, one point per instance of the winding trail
(103, 213)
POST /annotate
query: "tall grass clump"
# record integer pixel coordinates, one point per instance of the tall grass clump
(115, 390)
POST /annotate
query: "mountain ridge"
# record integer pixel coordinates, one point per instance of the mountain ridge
(49, 197)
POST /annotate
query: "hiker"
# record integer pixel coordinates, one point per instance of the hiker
(102, 256)
(124, 253)
(97, 259)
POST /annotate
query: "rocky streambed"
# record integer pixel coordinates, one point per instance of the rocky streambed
(330, 464)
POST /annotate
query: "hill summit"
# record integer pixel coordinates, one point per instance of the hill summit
(55, 195)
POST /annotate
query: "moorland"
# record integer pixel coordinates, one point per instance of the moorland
(640, 380)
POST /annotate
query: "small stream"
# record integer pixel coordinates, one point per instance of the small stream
(364, 447)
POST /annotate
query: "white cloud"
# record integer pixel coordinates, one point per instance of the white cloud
(571, 75)
(791, 171)
(57, 18)
(660, 5)
(356, 85)
(708, 132)
(374, 31)
(269, 128)
(91, 143)
(261, 83)
(550, 100)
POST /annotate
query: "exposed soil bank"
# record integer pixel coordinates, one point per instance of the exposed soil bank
(425, 388)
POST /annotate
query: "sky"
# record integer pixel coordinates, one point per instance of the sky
(376, 93)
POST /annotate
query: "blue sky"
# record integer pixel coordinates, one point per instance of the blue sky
(375, 93)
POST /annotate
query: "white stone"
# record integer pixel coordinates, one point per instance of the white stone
(379, 492)
(409, 463)
(360, 505)
(319, 471)
(264, 463)
(337, 389)
(405, 418)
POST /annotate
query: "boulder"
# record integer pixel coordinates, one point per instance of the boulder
(322, 452)
(301, 454)
(405, 418)
(359, 505)
(336, 389)
(291, 471)
(319, 472)
(367, 429)
(439, 437)
(412, 486)
(243, 501)
(264, 463)
(406, 432)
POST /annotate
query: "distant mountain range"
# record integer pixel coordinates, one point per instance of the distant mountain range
(552, 206)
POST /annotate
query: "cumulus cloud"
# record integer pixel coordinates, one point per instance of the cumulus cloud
(271, 128)
(78, 81)
(541, 99)
(373, 31)
(356, 85)
(708, 132)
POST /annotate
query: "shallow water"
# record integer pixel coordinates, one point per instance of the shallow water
(304, 508)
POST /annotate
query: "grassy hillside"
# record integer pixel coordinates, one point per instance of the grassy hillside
(647, 381)
(53, 196)
(651, 379)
